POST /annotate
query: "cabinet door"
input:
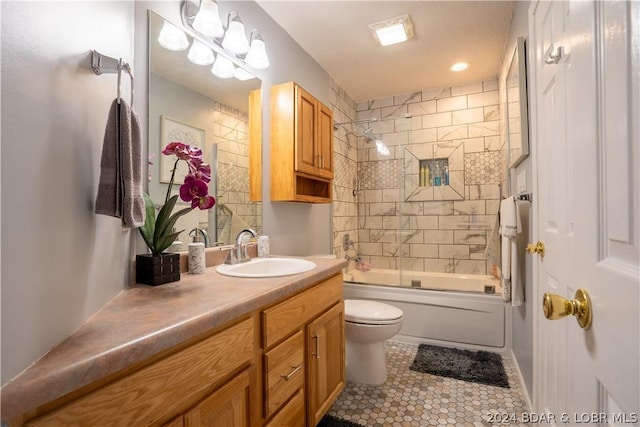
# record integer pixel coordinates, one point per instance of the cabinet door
(325, 362)
(305, 132)
(324, 141)
(292, 415)
(229, 406)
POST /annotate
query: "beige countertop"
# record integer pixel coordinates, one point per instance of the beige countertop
(143, 321)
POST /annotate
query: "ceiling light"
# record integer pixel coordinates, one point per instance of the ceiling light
(257, 55)
(392, 31)
(242, 74)
(459, 66)
(207, 20)
(235, 39)
(200, 54)
(172, 37)
(223, 68)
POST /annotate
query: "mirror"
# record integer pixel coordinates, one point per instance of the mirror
(189, 104)
(518, 129)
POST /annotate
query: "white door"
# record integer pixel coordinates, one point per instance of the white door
(585, 60)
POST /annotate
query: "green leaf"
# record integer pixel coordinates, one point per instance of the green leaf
(163, 218)
(163, 236)
(167, 241)
(173, 218)
(148, 229)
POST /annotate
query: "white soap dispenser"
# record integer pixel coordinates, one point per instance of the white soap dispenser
(196, 254)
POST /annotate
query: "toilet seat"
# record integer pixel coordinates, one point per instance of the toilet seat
(371, 312)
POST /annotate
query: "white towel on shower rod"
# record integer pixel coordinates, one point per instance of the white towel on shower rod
(510, 226)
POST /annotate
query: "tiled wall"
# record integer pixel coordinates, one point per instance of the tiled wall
(438, 236)
(231, 138)
(345, 165)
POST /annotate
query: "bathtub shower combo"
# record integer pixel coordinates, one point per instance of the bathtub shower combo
(439, 308)
(424, 206)
(457, 310)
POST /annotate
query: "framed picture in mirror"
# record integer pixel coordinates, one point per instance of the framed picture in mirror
(176, 131)
(517, 111)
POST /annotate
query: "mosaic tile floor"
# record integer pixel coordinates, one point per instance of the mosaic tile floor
(411, 398)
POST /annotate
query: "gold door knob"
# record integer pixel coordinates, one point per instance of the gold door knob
(557, 307)
(537, 248)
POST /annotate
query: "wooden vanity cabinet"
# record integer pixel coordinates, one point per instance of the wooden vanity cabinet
(301, 146)
(308, 330)
(281, 365)
(213, 379)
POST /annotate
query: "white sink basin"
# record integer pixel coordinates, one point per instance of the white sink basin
(267, 267)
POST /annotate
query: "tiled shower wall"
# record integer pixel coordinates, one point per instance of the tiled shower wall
(437, 236)
(231, 137)
(345, 165)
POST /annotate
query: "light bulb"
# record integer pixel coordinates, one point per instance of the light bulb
(235, 40)
(200, 54)
(207, 20)
(223, 68)
(257, 55)
(459, 66)
(242, 74)
(172, 37)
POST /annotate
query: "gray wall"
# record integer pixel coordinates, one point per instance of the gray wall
(61, 263)
(522, 323)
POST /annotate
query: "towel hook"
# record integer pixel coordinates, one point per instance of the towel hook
(104, 64)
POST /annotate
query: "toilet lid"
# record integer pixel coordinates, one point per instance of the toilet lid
(370, 312)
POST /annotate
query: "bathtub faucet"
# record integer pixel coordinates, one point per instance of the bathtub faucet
(356, 258)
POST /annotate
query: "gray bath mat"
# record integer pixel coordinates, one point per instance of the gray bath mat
(475, 366)
(331, 421)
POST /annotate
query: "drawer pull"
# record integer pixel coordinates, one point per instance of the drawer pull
(292, 373)
(317, 338)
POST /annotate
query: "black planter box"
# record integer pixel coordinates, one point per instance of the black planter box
(157, 269)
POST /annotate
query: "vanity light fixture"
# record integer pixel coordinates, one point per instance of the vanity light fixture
(200, 54)
(393, 30)
(459, 66)
(223, 68)
(207, 20)
(202, 16)
(172, 37)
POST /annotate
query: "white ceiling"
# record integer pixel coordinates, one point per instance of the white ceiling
(336, 35)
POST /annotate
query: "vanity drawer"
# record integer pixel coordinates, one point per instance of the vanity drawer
(283, 372)
(284, 318)
(292, 415)
(161, 389)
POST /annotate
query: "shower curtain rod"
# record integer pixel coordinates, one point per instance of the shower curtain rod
(374, 119)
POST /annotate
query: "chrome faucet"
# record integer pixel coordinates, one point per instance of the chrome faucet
(204, 234)
(240, 257)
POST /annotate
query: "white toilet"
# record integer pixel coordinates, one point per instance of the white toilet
(367, 325)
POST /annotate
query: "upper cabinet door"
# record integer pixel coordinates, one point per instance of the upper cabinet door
(324, 141)
(307, 159)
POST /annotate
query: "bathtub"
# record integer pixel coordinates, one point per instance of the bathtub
(447, 309)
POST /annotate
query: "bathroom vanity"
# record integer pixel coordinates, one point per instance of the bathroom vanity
(237, 351)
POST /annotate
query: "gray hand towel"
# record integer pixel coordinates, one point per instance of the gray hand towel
(120, 186)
